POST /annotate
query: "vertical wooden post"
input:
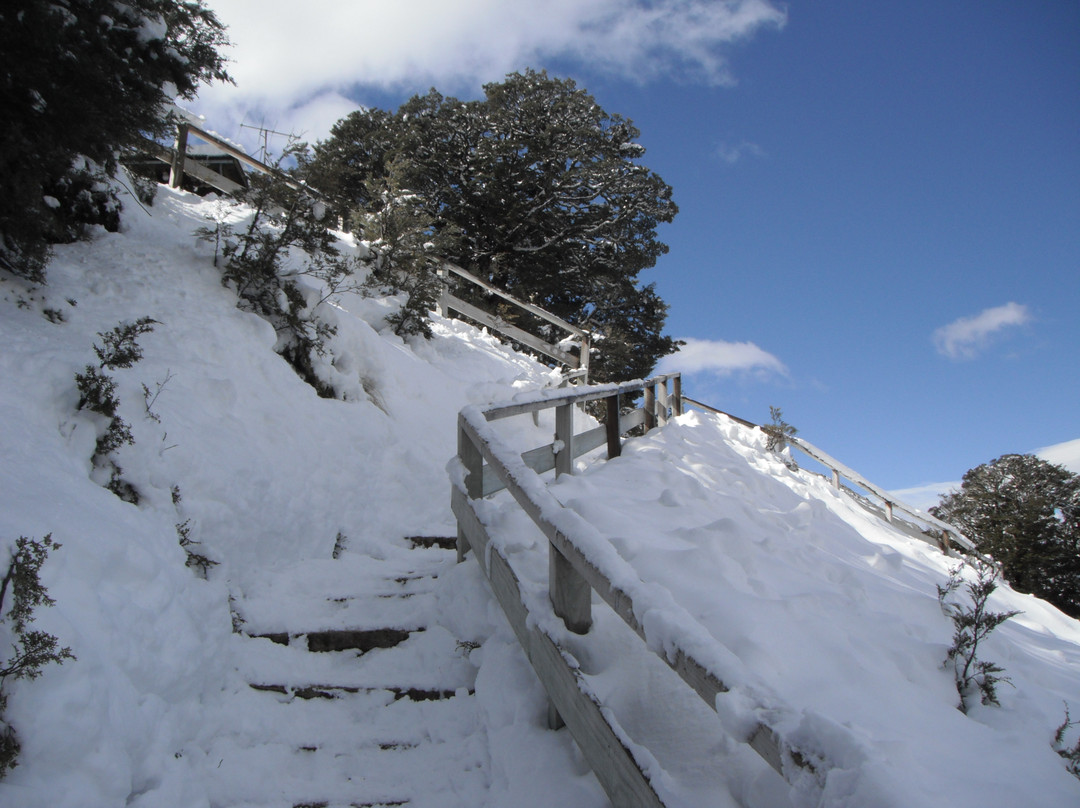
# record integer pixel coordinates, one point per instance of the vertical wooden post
(650, 406)
(583, 362)
(441, 303)
(176, 172)
(474, 481)
(888, 511)
(614, 431)
(662, 403)
(676, 395)
(570, 594)
(836, 479)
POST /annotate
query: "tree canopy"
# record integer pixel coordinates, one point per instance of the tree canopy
(82, 79)
(1025, 513)
(544, 195)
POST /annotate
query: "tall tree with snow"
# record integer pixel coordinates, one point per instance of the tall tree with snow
(79, 81)
(1025, 513)
(545, 193)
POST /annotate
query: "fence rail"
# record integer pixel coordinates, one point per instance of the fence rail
(579, 365)
(840, 472)
(580, 562)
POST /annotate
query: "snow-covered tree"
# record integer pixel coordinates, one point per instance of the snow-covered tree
(80, 80)
(1025, 513)
(544, 193)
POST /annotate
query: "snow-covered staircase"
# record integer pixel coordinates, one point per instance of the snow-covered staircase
(358, 696)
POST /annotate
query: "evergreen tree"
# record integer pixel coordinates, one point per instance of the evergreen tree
(79, 81)
(1025, 513)
(538, 190)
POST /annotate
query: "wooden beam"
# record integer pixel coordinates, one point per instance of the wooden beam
(592, 728)
(508, 330)
(529, 307)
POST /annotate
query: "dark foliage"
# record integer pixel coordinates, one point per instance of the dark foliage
(972, 624)
(1025, 513)
(31, 650)
(537, 190)
(284, 217)
(81, 80)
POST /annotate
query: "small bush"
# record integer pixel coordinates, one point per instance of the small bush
(1070, 754)
(972, 624)
(778, 432)
(32, 650)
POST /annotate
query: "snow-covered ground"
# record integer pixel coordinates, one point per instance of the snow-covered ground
(306, 504)
(269, 475)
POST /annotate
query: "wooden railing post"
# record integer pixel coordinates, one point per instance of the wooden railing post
(614, 432)
(836, 479)
(650, 406)
(570, 595)
(676, 395)
(176, 171)
(473, 461)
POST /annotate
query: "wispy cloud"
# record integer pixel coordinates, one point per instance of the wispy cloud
(721, 359)
(966, 337)
(282, 59)
(733, 153)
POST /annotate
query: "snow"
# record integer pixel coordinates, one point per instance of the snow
(823, 617)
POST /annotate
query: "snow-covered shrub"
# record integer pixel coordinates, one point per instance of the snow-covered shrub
(408, 250)
(283, 219)
(778, 431)
(84, 80)
(97, 393)
(972, 624)
(31, 650)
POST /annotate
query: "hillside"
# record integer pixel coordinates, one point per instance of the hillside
(307, 505)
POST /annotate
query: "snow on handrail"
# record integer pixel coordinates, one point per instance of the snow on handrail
(582, 560)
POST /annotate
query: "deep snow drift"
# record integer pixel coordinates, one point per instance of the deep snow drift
(831, 612)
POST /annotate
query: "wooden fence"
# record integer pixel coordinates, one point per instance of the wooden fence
(578, 365)
(948, 534)
(578, 565)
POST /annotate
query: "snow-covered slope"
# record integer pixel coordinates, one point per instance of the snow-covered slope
(269, 475)
(833, 616)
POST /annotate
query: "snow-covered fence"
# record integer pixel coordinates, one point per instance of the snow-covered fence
(579, 365)
(839, 472)
(582, 560)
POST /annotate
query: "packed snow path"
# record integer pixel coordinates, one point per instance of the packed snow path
(359, 697)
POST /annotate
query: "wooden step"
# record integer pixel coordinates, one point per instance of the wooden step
(308, 692)
(362, 640)
(442, 542)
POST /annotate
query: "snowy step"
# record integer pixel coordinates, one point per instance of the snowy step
(362, 748)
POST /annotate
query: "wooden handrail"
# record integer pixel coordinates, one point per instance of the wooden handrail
(581, 560)
(449, 302)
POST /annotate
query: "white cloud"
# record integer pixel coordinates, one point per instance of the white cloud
(721, 358)
(732, 154)
(964, 338)
(282, 56)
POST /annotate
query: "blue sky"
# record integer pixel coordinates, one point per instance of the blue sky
(879, 225)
